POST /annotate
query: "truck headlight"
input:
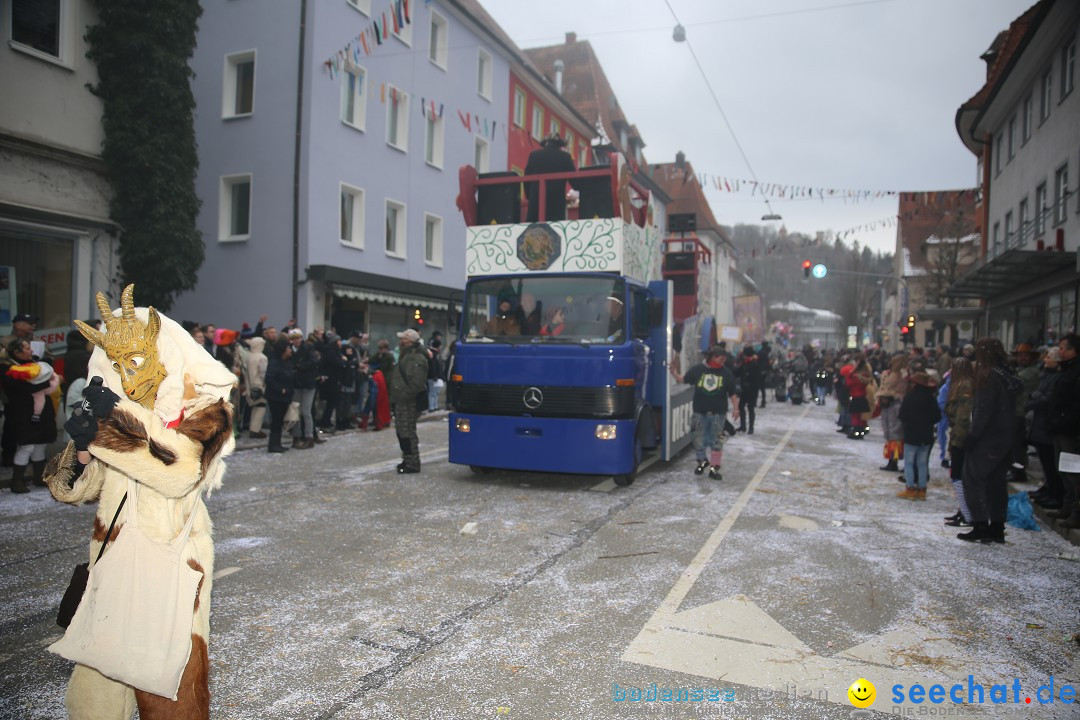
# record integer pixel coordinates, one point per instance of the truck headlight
(605, 432)
(463, 425)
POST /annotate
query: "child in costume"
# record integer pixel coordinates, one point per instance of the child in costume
(162, 417)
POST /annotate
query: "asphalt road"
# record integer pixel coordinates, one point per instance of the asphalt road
(344, 591)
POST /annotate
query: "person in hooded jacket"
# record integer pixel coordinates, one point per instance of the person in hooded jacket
(919, 414)
(988, 453)
(1050, 494)
(255, 385)
(958, 404)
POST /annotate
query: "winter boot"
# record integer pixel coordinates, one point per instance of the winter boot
(908, 493)
(995, 532)
(714, 473)
(978, 533)
(890, 466)
(920, 493)
(38, 467)
(702, 464)
(18, 479)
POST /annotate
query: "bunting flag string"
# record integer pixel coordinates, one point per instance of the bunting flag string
(371, 37)
(885, 222)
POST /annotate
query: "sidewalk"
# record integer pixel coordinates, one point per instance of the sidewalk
(245, 442)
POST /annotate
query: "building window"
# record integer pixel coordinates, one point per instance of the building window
(995, 247)
(363, 6)
(519, 107)
(553, 127)
(234, 208)
(1046, 85)
(482, 155)
(583, 156)
(440, 33)
(1025, 123)
(1068, 68)
(1008, 230)
(483, 74)
(1023, 227)
(238, 99)
(397, 118)
(352, 215)
(1061, 193)
(40, 26)
(999, 151)
(433, 139)
(1012, 137)
(404, 31)
(354, 96)
(537, 121)
(1040, 209)
(433, 239)
(569, 137)
(395, 229)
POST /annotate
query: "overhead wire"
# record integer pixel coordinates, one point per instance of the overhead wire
(716, 101)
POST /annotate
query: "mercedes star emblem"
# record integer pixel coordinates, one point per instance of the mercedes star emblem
(533, 398)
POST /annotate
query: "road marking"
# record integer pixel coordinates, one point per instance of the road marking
(224, 572)
(736, 641)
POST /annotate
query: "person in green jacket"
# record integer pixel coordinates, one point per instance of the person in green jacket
(410, 380)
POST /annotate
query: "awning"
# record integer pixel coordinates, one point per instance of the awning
(385, 298)
(1011, 270)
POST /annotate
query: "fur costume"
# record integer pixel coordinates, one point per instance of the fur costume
(172, 442)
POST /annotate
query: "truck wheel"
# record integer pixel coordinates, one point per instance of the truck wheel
(639, 452)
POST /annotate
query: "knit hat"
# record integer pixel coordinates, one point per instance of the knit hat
(246, 332)
(410, 335)
(224, 336)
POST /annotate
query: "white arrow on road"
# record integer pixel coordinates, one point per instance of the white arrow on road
(736, 641)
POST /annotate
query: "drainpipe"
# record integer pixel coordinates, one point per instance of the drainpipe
(296, 161)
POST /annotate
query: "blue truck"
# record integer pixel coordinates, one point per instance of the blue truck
(566, 334)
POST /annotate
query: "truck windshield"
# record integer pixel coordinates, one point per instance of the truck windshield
(546, 308)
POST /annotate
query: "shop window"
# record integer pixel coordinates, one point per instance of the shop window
(36, 278)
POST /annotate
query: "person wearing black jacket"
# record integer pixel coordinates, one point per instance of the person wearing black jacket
(280, 383)
(305, 362)
(751, 376)
(331, 366)
(549, 158)
(988, 452)
(920, 414)
(1048, 496)
(1063, 421)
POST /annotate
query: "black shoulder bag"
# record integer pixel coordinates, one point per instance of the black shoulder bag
(77, 587)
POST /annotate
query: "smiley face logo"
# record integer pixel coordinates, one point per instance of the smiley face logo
(862, 693)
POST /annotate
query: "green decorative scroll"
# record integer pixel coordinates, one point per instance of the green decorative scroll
(590, 244)
(492, 249)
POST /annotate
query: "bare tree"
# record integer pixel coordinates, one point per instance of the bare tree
(949, 254)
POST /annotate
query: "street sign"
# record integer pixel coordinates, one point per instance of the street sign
(819, 271)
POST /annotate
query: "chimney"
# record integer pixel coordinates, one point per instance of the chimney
(559, 66)
(571, 38)
(680, 160)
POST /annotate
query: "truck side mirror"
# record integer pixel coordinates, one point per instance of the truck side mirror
(656, 312)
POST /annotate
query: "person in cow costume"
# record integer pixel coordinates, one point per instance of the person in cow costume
(161, 417)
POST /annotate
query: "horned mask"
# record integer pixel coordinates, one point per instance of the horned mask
(131, 346)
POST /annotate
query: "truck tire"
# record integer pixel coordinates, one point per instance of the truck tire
(639, 452)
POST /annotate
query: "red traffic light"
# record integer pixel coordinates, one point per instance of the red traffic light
(904, 330)
(806, 264)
